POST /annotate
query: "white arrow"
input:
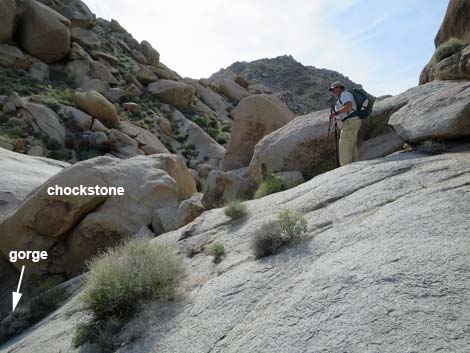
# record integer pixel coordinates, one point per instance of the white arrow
(17, 295)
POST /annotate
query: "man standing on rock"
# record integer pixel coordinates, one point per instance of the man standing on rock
(348, 122)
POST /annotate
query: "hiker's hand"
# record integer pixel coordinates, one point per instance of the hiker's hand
(332, 115)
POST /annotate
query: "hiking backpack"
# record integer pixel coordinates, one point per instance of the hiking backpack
(364, 102)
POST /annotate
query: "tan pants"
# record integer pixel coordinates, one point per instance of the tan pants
(348, 152)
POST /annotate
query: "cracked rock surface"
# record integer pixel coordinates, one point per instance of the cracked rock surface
(384, 267)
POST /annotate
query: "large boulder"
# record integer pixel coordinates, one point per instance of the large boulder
(22, 174)
(44, 121)
(147, 142)
(123, 146)
(232, 90)
(74, 228)
(86, 38)
(189, 209)
(11, 56)
(7, 19)
(97, 106)
(301, 145)
(223, 187)
(152, 56)
(254, 118)
(44, 33)
(440, 111)
(179, 94)
(210, 98)
(208, 150)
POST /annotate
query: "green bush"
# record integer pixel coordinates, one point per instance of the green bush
(292, 224)
(235, 209)
(221, 139)
(217, 250)
(267, 241)
(269, 186)
(449, 48)
(213, 132)
(226, 127)
(125, 276)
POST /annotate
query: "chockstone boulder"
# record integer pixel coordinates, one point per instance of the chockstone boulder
(254, 118)
(44, 33)
(385, 254)
(75, 227)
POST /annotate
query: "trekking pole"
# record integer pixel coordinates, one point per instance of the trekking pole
(336, 145)
(336, 138)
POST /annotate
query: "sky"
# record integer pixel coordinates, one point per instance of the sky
(381, 44)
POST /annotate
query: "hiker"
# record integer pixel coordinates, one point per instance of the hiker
(348, 122)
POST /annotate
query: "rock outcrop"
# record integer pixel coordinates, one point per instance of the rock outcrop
(254, 118)
(44, 33)
(456, 23)
(371, 258)
(455, 29)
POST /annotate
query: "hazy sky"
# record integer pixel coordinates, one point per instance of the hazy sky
(382, 44)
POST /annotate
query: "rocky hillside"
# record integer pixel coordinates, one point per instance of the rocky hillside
(302, 88)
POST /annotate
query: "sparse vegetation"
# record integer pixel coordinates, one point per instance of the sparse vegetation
(235, 209)
(290, 227)
(292, 224)
(449, 48)
(121, 279)
(218, 251)
(269, 186)
(124, 276)
(267, 241)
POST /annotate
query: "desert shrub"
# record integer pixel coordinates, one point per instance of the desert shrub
(270, 185)
(221, 139)
(217, 250)
(267, 241)
(213, 132)
(235, 209)
(123, 277)
(226, 127)
(292, 224)
(449, 48)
